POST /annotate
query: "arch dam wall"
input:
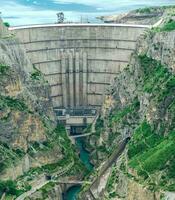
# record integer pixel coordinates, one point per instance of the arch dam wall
(79, 61)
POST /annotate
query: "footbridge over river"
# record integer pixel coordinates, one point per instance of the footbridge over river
(80, 62)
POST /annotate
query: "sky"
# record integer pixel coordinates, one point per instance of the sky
(21, 12)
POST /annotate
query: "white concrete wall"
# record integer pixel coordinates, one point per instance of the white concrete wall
(79, 61)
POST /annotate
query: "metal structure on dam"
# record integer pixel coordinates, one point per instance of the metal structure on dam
(79, 61)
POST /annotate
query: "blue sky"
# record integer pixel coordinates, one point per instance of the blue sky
(19, 12)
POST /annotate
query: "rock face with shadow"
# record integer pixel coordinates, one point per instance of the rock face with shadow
(32, 145)
(141, 104)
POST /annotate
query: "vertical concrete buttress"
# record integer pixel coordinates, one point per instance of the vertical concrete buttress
(81, 78)
(67, 78)
(63, 76)
(85, 63)
(77, 69)
(71, 78)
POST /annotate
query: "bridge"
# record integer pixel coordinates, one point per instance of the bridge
(80, 62)
(80, 135)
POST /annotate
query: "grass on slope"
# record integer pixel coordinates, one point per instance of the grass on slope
(149, 150)
(14, 104)
(157, 78)
(168, 26)
(119, 115)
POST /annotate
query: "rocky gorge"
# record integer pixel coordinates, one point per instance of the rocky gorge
(139, 110)
(32, 145)
(140, 106)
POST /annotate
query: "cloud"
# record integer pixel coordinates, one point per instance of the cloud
(17, 14)
(20, 14)
(115, 4)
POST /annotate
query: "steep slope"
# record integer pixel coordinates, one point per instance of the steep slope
(31, 143)
(141, 106)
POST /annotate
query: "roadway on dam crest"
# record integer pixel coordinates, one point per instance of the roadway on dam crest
(76, 24)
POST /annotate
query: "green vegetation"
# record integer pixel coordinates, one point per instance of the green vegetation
(149, 152)
(88, 128)
(9, 156)
(159, 81)
(157, 78)
(4, 69)
(149, 10)
(155, 158)
(168, 26)
(45, 190)
(99, 126)
(57, 137)
(36, 74)
(119, 115)
(14, 104)
(143, 139)
(144, 10)
(113, 179)
(69, 152)
(9, 187)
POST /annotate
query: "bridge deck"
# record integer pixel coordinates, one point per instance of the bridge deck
(81, 135)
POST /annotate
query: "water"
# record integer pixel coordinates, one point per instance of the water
(84, 155)
(72, 193)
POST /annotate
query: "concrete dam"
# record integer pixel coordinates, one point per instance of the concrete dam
(80, 62)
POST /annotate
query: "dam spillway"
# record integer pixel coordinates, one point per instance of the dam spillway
(80, 61)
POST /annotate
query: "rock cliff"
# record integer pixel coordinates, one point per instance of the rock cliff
(32, 145)
(140, 106)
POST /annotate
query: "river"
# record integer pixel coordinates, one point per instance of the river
(72, 192)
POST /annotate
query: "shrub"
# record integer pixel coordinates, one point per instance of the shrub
(4, 69)
(2, 166)
(144, 10)
(99, 123)
(20, 152)
(171, 166)
(36, 74)
(12, 103)
(9, 187)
